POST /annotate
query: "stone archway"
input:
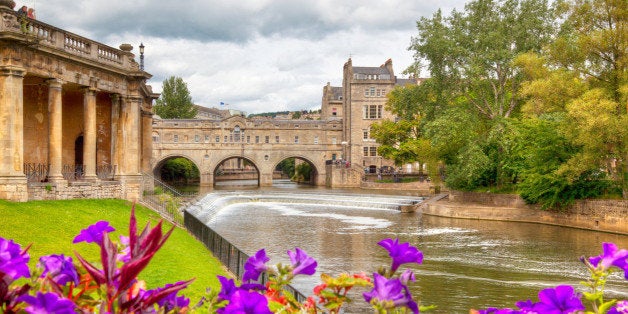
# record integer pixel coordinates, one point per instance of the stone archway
(236, 171)
(304, 171)
(180, 171)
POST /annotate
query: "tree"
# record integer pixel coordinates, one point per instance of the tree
(175, 101)
(584, 77)
(470, 53)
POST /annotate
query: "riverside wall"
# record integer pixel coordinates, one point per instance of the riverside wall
(597, 215)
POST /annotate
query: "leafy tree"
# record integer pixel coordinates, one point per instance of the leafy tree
(287, 166)
(302, 172)
(175, 101)
(179, 169)
(296, 115)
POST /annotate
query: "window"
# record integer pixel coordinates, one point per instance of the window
(248, 138)
(226, 139)
(276, 138)
(217, 139)
(372, 111)
(236, 133)
(176, 138)
(378, 92)
(373, 150)
(333, 111)
(206, 138)
(155, 137)
(267, 139)
(315, 139)
(372, 91)
(256, 139)
(366, 92)
(296, 139)
(197, 138)
(333, 141)
(296, 126)
(366, 151)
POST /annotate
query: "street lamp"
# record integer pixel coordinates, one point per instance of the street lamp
(142, 56)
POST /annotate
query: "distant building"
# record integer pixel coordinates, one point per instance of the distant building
(360, 102)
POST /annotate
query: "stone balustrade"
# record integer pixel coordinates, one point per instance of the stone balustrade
(45, 35)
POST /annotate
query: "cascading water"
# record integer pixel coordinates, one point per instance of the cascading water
(467, 263)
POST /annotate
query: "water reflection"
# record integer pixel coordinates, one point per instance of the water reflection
(467, 264)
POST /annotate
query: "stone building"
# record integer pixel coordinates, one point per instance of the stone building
(75, 114)
(359, 103)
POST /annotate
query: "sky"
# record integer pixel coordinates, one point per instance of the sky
(253, 55)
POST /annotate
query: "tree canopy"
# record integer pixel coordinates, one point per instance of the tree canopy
(522, 96)
(175, 101)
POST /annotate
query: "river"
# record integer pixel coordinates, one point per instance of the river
(467, 263)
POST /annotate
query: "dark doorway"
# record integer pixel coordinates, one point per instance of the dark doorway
(78, 150)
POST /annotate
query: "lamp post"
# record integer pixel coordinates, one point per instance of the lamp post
(142, 56)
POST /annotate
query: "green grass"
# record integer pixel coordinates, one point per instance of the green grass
(52, 225)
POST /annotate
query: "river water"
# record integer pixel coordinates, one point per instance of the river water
(467, 263)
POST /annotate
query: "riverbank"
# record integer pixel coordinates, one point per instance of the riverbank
(597, 215)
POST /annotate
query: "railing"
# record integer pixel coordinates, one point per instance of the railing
(164, 199)
(106, 172)
(73, 172)
(36, 172)
(230, 256)
(47, 35)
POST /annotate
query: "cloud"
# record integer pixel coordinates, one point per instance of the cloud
(257, 55)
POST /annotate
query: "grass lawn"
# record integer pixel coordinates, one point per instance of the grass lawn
(52, 225)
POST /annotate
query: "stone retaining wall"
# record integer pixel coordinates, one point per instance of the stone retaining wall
(599, 215)
(76, 190)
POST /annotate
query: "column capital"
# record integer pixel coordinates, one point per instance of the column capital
(54, 82)
(12, 70)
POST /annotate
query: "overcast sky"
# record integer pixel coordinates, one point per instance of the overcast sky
(255, 55)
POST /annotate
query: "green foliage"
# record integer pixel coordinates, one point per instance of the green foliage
(175, 101)
(302, 172)
(179, 169)
(287, 167)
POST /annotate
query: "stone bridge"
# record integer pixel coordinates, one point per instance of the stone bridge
(263, 143)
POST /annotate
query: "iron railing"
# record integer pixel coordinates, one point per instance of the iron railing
(73, 172)
(36, 172)
(106, 172)
(230, 256)
(164, 199)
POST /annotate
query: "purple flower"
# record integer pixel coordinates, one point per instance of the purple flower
(245, 302)
(401, 253)
(525, 306)
(228, 288)
(562, 299)
(611, 256)
(60, 268)
(172, 301)
(125, 252)
(94, 233)
(620, 308)
(255, 266)
(390, 290)
(492, 310)
(13, 261)
(301, 263)
(407, 275)
(47, 303)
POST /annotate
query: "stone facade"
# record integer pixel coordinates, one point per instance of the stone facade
(263, 143)
(74, 114)
(361, 102)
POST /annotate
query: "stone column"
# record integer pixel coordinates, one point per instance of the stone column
(13, 184)
(55, 134)
(147, 142)
(89, 138)
(130, 140)
(115, 130)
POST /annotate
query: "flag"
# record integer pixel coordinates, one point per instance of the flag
(222, 103)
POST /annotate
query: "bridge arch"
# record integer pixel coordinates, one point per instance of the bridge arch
(245, 168)
(157, 169)
(314, 172)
